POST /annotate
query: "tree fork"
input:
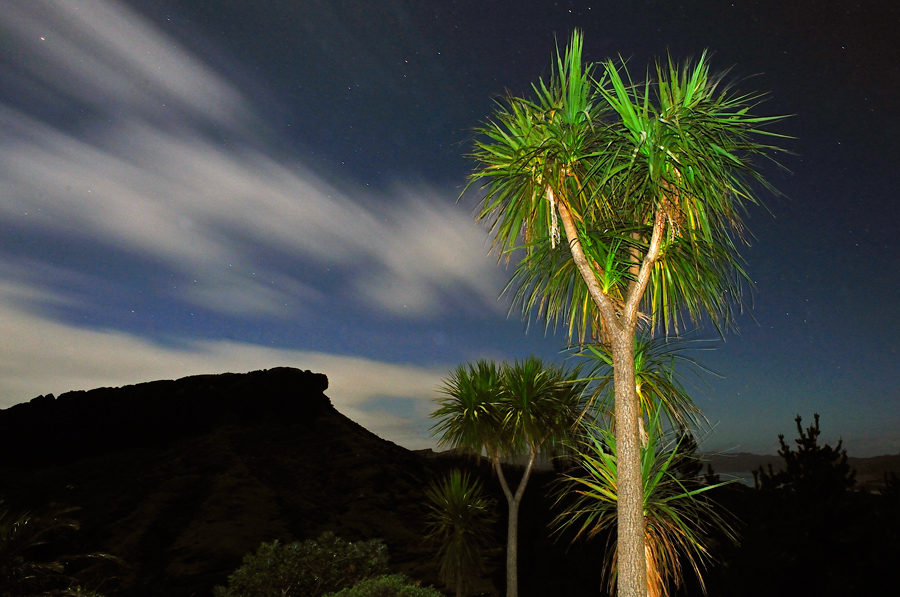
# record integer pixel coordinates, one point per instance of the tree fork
(512, 537)
(621, 328)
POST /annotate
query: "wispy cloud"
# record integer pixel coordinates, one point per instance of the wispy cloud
(41, 357)
(148, 177)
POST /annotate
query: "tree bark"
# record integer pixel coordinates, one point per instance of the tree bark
(632, 558)
(512, 532)
(512, 551)
(621, 327)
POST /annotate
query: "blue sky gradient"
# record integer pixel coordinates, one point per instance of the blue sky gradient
(198, 187)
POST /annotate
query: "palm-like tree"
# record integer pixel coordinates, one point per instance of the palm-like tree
(22, 571)
(512, 411)
(678, 520)
(627, 199)
(460, 518)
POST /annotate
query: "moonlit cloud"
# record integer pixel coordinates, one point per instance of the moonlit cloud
(41, 356)
(139, 166)
(101, 53)
(170, 193)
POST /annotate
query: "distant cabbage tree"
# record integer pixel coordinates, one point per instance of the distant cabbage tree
(510, 411)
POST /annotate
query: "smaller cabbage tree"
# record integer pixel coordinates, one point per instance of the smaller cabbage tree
(514, 411)
(460, 520)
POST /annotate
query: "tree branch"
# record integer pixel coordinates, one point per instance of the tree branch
(604, 303)
(521, 489)
(636, 291)
(495, 458)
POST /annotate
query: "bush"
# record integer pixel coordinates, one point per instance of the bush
(394, 585)
(813, 471)
(27, 549)
(307, 569)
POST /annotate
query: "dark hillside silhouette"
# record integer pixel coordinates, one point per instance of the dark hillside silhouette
(52, 431)
(182, 478)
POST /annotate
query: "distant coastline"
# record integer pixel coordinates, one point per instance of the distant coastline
(869, 471)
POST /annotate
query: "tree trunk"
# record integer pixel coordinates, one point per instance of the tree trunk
(632, 558)
(512, 532)
(621, 327)
(512, 551)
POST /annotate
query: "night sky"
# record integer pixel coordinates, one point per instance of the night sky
(201, 186)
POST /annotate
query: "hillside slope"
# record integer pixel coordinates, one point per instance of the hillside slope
(182, 478)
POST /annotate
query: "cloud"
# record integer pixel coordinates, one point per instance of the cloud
(115, 140)
(150, 178)
(101, 53)
(41, 357)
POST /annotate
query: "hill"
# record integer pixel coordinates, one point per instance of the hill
(182, 478)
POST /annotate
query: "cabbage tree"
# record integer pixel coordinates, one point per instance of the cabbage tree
(509, 412)
(627, 198)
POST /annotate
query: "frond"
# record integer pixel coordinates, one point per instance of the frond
(468, 414)
(659, 364)
(678, 517)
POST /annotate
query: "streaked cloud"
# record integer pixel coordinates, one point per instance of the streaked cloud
(101, 53)
(150, 178)
(116, 138)
(42, 356)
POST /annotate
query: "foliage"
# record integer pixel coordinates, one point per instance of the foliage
(468, 416)
(518, 409)
(678, 519)
(25, 568)
(620, 155)
(510, 410)
(393, 585)
(459, 521)
(812, 471)
(628, 200)
(657, 378)
(308, 569)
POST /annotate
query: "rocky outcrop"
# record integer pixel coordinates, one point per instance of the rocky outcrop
(52, 431)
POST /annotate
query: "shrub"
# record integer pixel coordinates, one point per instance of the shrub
(459, 522)
(393, 585)
(306, 569)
